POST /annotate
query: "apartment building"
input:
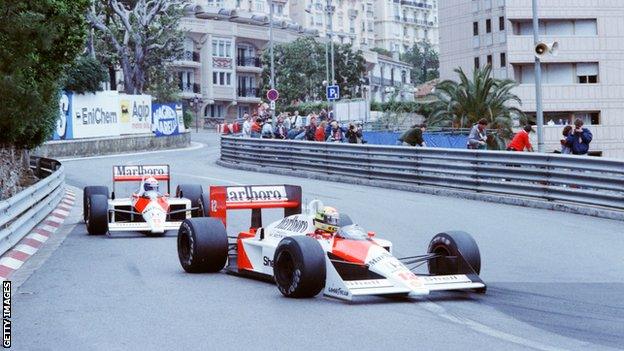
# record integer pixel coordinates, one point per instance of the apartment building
(585, 80)
(401, 23)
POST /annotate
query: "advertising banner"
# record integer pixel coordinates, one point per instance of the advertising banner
(96, 115)
(64, 130)
(136, 114)
(167, 119)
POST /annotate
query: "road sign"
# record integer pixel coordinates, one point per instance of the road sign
(333, 92)
(272, 105)
(272, 94)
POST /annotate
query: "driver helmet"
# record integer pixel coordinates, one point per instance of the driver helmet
(151, 184)
(327, 219)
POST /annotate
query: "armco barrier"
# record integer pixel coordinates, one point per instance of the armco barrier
(20, 213)
(592, 186)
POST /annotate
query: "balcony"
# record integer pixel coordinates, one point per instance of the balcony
(188, 59)
(189, 90)
(249, 64)
(248, 94)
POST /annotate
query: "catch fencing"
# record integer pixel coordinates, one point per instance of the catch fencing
(20, 213)
(561, 179)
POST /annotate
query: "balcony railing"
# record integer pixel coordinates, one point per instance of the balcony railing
(248, 92)
(190, 56)
(190, 88)
(248, 61)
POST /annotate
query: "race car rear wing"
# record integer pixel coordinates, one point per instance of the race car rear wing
(136, 173)
(254, 198)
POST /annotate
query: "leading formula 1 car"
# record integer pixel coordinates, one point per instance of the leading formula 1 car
(145, 210)
(303, 258)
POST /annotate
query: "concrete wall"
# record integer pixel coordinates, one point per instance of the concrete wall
(111, 145)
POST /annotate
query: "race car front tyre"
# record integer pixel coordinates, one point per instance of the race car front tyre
(202, 245)
(88, 191)
(97, 214)
(299, 267)
(454, 243)
(192, 192)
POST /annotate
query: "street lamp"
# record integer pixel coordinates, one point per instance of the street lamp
(272, 78)
(196, 104)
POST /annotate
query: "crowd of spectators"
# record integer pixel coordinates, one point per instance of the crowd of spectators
(313, 127)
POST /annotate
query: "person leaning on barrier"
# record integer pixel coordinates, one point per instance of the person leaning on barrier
(267, 130)
(247, 126)
(310, 130)
(413, 136)
(354, 134)
(256, 128)
(579, 138)
(320, 131)
(280, 130)
(521, 140)
(565, 148)
(478, 137)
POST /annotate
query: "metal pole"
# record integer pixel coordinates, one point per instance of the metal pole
(538, 84)
(272, 79)
(330, 14)
(196, 118)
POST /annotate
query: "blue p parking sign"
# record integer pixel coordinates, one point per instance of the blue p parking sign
(333, 92)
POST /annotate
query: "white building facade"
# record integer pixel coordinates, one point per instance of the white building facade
(401, 23)
(585, 80)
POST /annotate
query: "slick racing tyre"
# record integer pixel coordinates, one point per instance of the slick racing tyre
(97, 214)
(454, 243)
(299, 267)
(202, 245)
(192, 192)
(88, 191)
(204, 203)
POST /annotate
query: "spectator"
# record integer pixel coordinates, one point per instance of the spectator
(296, 121)
(354, 134)
(256, 128)
(294, 133)
(280, 131)
(521, 140)
(565, 148)
(323, 115)
(246, 126)
(478, 137)
(286, 119)
(579, 138)
(310, 130)
(267, 130)
(320, 131)
(336, 133)
(413, 136)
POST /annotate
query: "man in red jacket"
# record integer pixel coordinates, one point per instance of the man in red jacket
(521, 140)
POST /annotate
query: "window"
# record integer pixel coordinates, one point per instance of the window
(503, 59)
(476, 62)
(489, 60)
(501, 23)
(475, 28)
(222, 78)
(214, 110)
(569, 27)
(488, 25)
(221, 48)
(587, 73)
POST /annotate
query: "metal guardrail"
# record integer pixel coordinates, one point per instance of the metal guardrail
(549, 177)
(20, 213)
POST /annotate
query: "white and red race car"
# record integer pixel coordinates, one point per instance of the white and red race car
(150, 212)
(302, 262)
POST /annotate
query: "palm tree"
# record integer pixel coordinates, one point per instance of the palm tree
(462, 104)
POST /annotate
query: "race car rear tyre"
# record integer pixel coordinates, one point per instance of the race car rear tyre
(204, 209)
(202, 245)
(299, 267)
(97, 214)
(454, 243)
(89, 190)
(192, 192)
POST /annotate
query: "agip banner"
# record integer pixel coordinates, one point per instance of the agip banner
(136, 114)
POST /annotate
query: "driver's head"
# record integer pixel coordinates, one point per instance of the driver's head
(151, 184)
(327, 219)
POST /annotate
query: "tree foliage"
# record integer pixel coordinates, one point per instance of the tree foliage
(140, 36)
(38, 38)
(382, 51)
(424, 60)
(300, 70)
(461, 104)
(85, 74)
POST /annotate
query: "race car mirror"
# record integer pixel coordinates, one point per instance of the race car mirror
(254, 197)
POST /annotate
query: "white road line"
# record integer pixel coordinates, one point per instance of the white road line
(194, 146)
(48, 228)
(209, 178)
(484, 329)
(55, 219)
(36, 236)
(11, 262)
(61, 212)
(29, 250)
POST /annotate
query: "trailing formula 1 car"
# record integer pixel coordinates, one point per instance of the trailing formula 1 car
(145, 210)
(319, 249)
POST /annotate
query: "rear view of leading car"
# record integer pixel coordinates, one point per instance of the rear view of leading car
(303, 260)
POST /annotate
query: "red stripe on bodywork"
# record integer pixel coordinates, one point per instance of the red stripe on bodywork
(141, 203)
(351, 250)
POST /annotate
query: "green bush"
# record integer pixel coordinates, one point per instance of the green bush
(84, 75)
(188, 117)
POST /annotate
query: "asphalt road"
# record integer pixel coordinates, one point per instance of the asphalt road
(555, 280)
